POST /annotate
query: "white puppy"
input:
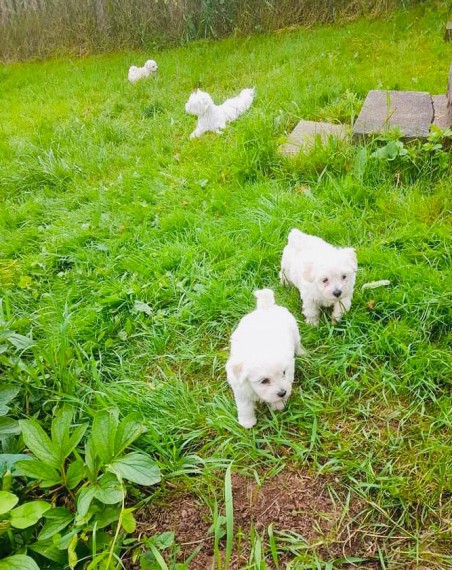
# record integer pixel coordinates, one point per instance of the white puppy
(324, 275)
(136, 73)
(213, 117)
(261, 365)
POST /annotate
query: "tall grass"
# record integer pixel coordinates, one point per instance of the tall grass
(85, 26)
(129, 253)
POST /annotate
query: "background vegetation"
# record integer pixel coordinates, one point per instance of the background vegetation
(51, 27)
(129, 253)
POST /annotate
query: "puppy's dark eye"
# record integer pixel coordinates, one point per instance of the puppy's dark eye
(325, 280)
(265, 381)
(344, 276)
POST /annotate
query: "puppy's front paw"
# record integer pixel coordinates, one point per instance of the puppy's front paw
(314, 321)
(278, 405)
(247, 423)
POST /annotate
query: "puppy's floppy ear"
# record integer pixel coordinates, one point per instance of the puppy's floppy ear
(308, 272)
(238, 370)
(351, 255)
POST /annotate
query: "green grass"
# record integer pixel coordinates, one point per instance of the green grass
(107, 205)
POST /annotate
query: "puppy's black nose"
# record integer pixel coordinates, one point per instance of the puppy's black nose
(337, 293)
(282, 393)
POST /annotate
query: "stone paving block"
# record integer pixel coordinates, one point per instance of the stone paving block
(442, 115)
(411, 111)
(306, 133)
(448, 32)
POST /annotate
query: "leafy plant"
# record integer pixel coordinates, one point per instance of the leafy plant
(10, 443)
(410, 161)
(89, 488)
(390, 151)
(8, 426)
(13, 520)
(153, 559)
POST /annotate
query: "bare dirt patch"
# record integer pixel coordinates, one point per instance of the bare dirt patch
(313, 507)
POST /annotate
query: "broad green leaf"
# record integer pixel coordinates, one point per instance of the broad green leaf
(62, 439)
(130, 428)
(39, 443)
(72, 554)
(11, 444)
(56, 520)
(63, 542)
(142, 307)
(103, 434)
(8, 427)
(83, 522)
(128, 521)
(18, 562)
(8, 392)
(75, 473)
(20, 341)
(48, 549)
(8, 462)
(106, 516)
(84, 499)
(77, 433)
(28, 514)
(109, 490)
(61, 425)
(91, 460)
(4, 409)
(7, 501)
(137, 468)
(163, 540)
(36, 469)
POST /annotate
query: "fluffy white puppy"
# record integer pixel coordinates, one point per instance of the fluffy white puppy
(261, 365)
(324, 275)
(136, 73)
(150, 66)
(213, 117)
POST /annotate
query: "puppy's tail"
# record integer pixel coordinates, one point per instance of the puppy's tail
(265, 298)
(297, 239)
(246, 98)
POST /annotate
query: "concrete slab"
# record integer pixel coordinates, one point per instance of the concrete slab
(442, 115)
(306, 133)
(410, 111)
(448, 32)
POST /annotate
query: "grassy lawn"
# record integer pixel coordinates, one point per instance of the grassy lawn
(128, 253)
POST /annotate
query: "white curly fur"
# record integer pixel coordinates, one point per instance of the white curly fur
(136, 73)
(261, 365)
(323, 274)
(213, 117)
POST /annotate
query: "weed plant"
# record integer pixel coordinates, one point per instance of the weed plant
(129, 253)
